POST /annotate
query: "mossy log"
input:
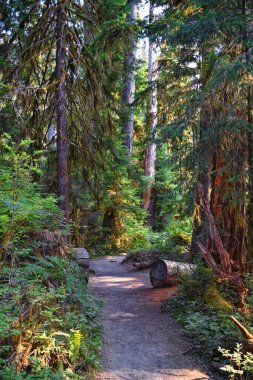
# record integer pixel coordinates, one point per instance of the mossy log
(163, 272)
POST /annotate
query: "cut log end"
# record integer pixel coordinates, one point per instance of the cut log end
(163, 272)
(158, 274)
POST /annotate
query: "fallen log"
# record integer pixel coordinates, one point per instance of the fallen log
(163, 272)
(143, 265)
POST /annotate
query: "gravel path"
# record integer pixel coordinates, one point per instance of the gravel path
(139, 342)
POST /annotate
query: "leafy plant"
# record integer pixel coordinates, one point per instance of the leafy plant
(207, 322)
(240, 364)
(22, 207)
(50, 319)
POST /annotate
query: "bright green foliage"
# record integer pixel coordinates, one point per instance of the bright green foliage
(50, 320)
(49, 325)
(22, 207)
(174, 220)
(205, 321)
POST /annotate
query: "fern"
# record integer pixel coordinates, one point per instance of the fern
(75, 343)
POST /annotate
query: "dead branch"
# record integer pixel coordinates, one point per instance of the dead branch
(245, 332)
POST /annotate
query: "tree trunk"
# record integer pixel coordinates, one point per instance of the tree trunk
(219, 219)
(228, 201)
(128, 92)
(150, 153)
(62, 134)
(200, 221)
(250, 183)
(248, 36)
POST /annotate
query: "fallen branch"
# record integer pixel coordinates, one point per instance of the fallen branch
(245, 332)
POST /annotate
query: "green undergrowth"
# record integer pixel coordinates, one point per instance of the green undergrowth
(203, 307)
(49, 321)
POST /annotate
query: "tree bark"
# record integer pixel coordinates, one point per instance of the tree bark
(200, 220)
(250, 183)
(62, 133)
(128, 92)
(248, 36)
(219, 220)
(150, 153)
(214, 233)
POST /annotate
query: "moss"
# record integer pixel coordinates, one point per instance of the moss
(212, 297)
(194, 286)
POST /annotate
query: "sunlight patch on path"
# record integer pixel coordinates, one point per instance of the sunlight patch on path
(139, 342)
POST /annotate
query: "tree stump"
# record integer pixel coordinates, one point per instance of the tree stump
(163, 272)
(81, 256)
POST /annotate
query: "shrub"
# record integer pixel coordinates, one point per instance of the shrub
(240, 364)
(201, 308)
(49, 321)
(48, 318)
(22, 207)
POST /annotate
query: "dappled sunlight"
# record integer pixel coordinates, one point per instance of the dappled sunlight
(140, 342)
(126, 283)
(122, 315)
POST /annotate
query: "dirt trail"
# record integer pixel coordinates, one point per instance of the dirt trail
(140, 342)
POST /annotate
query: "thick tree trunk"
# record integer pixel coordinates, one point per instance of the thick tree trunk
(62, 134)
(250, 184)
(228, 202)
(219, 220)
(248, 12)
(201, 231)
(128, 92)
(150, 153)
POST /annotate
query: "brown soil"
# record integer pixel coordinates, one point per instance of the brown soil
(139, 341)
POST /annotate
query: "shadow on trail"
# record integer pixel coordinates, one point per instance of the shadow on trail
(139, 342)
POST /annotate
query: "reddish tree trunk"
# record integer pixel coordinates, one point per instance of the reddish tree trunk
(214, 234)
(247, 10)
(228, 206)
(62, 134)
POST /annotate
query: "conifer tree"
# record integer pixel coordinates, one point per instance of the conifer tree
(150, 152)
(128, 92)
(62, 134)
(247, 11)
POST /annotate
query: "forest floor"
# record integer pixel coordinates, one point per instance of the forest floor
(139, 341)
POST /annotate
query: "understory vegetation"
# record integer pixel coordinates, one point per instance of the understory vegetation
(49, 320)
(204, 308)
